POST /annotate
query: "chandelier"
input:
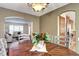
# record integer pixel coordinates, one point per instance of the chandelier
(38, 6)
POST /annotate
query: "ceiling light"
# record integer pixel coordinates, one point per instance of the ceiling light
(38, 6)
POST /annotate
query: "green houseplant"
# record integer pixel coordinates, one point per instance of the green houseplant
(39, 41)
(40, 36)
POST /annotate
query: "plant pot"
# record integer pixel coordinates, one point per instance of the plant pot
(40, 47)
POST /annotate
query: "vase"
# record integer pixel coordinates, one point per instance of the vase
(40, 47)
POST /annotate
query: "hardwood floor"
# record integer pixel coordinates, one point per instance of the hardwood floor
(22, 49)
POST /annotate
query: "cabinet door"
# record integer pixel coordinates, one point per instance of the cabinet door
(72, 39)
(62, 30)
(68, 31)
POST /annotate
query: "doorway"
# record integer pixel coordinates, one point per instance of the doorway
(66, 30)
(15, 25)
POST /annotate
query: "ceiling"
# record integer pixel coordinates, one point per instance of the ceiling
(24, 8)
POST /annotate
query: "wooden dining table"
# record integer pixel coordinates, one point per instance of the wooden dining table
(22, 48)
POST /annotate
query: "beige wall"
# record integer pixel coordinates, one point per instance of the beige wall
(7, 13)
(48, 22)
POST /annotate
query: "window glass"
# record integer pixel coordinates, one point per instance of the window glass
(15, 28)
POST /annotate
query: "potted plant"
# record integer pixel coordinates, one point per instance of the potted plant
(39, 41)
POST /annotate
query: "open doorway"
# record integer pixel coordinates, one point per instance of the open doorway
(17, 29)
(66, 29)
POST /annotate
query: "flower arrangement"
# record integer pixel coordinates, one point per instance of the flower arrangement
(40, 36)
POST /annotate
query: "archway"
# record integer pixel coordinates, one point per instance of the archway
(14, 24)
(66, 30)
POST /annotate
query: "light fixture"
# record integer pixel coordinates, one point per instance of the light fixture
(38, 6)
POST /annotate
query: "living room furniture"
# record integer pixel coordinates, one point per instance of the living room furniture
(3, 47)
